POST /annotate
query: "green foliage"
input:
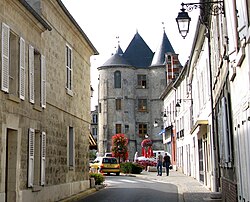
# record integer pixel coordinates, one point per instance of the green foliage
(99, 178)
(130, 167)
(92, 154)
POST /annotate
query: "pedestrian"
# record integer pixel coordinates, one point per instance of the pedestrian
(167, 163)
(159, 164)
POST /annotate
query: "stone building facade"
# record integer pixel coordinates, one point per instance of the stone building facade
(130, 84)
(44, 102)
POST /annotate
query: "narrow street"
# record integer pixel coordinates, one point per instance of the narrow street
(126, 188)
(147, 186)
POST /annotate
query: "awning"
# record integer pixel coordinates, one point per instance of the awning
(92, 142)
(162, 131)
(199, 123)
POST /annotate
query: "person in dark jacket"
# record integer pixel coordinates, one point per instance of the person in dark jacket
(166, 163)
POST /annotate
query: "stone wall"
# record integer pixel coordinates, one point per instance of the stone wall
(63, 110)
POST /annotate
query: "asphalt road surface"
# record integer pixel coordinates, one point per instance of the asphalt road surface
(133, 189)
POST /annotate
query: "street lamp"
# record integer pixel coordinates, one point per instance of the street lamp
(178, 103)
(183, 19)
(91, 91)
(214, 8)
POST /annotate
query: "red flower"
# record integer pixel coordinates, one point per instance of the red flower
(146, 143)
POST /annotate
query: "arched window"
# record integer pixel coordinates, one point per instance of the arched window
(117, 79)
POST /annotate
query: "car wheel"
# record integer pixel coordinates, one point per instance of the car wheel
(117, 174)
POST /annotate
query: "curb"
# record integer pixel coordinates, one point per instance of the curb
(82, 194)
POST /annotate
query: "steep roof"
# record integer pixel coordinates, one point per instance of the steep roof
(119, 50)
(138, 54)
(117, 60)
(164, 47)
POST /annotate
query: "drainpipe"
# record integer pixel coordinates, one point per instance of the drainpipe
(213, 135)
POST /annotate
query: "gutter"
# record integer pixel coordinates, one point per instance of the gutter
(77, 26)
(36, 15)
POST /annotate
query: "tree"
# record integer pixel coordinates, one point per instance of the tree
(120, 146)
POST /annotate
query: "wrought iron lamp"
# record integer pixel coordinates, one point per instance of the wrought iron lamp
(207, 7)
(178, 103)
(91, 91)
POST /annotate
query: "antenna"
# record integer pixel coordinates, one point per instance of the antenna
(163, 26)
(117, 37)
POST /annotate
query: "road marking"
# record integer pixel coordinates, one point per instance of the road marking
(130, 181)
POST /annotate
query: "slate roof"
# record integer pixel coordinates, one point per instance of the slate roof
(138, 54)
(117, 60)
(164, 47)
(119, 50)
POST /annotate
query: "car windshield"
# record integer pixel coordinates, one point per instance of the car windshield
(109, 160)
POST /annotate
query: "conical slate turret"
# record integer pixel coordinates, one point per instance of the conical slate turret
(138, 54)
(117, 60)
(164, 47)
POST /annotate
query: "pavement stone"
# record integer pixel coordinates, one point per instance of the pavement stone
(189, 189)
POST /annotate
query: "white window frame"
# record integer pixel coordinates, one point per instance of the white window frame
(69, 70)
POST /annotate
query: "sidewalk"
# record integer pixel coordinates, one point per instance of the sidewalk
(189, 189)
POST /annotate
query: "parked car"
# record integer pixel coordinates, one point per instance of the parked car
(106, 165)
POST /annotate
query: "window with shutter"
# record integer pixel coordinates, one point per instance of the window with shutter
(31, 157)
(31, 74)
(43, 82)
(14, 64)
(225, 118)
(69, 76)
(71, 147)
(5, 58)
(242, 18)
(43, 156)
(22, 70)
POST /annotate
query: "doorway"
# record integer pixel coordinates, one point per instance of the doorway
(201, 167)
(11, 165)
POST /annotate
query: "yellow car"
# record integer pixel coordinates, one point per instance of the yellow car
(106, 165)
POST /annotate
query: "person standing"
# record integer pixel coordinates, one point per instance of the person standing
(159, 164)
(167, 163)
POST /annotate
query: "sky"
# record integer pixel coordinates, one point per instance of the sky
(109, 22)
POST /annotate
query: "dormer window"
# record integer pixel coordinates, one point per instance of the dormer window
(169, 59)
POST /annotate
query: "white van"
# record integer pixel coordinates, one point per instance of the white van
(155, 152)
